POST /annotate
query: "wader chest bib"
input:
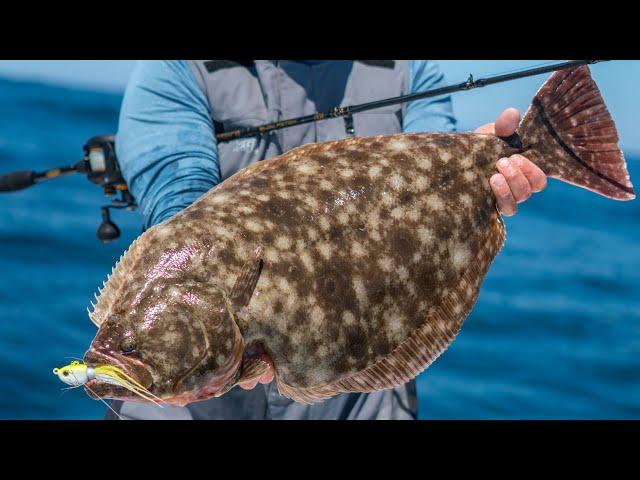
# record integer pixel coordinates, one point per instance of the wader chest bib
(243, 93)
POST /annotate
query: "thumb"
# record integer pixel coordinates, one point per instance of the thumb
(507, 122)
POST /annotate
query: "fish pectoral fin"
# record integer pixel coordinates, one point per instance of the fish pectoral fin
(253, 368)
(247, 280)
(255, 363)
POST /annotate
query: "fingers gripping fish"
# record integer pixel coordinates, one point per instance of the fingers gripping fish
(350, 265)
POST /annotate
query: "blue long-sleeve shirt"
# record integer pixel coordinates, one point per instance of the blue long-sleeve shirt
(166, 142)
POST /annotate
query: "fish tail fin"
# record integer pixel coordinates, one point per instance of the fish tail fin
(568, 132)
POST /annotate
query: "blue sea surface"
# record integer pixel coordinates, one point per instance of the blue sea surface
(555, 333)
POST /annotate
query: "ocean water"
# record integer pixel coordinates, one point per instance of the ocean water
(555, 333)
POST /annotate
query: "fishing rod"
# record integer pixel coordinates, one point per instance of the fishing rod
(348, 111)
(101, 166)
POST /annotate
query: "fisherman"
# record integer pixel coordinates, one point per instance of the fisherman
(169, 157)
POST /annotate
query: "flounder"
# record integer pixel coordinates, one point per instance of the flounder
(350, 264)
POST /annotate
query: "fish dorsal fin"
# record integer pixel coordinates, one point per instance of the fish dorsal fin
(115, 280)
(424, 345)
(247, 280)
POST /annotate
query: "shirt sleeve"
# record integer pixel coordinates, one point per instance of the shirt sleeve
(429, 114)
(166, 143)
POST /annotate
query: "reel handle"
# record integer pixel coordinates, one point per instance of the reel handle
(107, 231)
(17, 180)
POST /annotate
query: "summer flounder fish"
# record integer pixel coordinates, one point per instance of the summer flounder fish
(351, 265)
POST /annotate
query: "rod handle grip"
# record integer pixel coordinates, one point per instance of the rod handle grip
(17, 180)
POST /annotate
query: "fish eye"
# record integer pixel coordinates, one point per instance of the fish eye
(65, 373)
(128, 346)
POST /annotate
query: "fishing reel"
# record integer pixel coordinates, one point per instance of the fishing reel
(101, 167)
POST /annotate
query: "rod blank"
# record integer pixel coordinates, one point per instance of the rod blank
(350, 110)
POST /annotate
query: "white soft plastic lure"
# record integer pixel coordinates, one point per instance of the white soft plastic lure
(78, 374)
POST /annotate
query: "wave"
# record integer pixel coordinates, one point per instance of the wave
(37, 97)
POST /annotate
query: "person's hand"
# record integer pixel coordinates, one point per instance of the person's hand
(265, 378)
(518, 177)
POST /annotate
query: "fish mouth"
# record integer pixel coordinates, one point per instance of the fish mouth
(133, 367)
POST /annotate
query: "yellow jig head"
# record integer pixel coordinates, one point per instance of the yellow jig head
(75, 374)
(78, 373)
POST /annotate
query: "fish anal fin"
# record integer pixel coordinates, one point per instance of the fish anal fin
(425, 344)
(247, 280)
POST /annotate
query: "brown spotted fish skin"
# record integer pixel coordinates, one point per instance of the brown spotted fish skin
(371, 251)
(362, 239)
